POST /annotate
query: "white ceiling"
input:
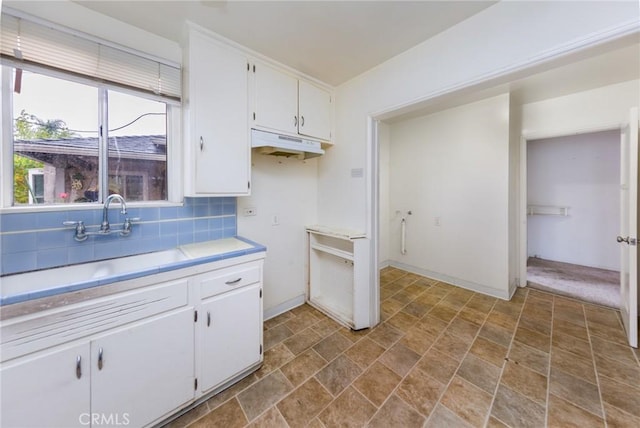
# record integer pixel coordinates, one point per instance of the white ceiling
(332, 41)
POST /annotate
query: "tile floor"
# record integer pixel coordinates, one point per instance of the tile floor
(442, 357)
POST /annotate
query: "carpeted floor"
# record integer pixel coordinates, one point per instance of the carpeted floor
(589, 284)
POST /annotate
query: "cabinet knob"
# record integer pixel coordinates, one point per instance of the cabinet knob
(301, 120)
(201, 143)
(100, 363)
(79, 367)
(208, 318)
(295, 121)
(234, 282)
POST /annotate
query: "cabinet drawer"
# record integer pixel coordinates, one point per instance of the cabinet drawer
(230, 278)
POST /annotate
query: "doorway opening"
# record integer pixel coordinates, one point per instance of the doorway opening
(573, 216)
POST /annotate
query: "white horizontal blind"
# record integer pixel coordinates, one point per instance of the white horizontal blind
(25, 43)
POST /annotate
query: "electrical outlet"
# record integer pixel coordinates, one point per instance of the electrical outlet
(275, 221)
(250, 211)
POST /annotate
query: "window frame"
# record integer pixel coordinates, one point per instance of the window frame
(174, 152)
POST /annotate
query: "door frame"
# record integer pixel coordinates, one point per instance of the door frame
(523, 220)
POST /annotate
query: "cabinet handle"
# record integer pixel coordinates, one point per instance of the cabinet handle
(235, 281)
(100, 359)
(79, 367)
(201, 143)
(295, 121)
(208, 318)
(301, 120)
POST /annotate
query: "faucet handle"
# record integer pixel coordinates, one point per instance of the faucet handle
(128, 223)
(72, 223)
(81, 230)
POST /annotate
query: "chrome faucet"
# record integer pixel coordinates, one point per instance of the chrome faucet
(104, 227)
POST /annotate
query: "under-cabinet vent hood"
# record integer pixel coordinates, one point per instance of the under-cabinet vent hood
(269, 143)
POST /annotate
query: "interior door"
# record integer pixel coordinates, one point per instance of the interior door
(629, 228)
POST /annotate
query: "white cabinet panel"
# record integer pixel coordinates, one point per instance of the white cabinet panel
(231, 334)
(47, 390)
(144, 371)
(276, 99)
(218, 139)
(315, 111)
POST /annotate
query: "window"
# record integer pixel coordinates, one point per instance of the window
(87, 119)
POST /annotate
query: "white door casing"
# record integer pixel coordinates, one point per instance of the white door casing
(629, 228)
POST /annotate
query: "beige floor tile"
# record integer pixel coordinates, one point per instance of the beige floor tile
(402, 297)
(516, 410)
(354, 335)
(505, 321)
(302, 341)
(496, 423)
(529, 357)
(529, 383)
(228, 415)
(618, 371)
(189, 417)
(573, 364)
(377, 383)
(326, 327)
(417, 309)
(277, 320)
(400, 359)
(612, 334)
(612, 350)
(575, 390)
(301, 322)
(275, 335)
(263, 394)
(385, 335)
(572, 344)
(472, 315)
(467, 401)
(402, 321)
(463, 329)
(533, 339)
(305, 403)
(451, 345)
(496, 334)
(618, 418)
(417, 340)
(391, 307)
(274, 358)
(570, 315)
(364, 352)
(566, 327)
(443, 417)
(420, 391)
(396, 413)
(272, 418)
(543, 327)
(443, 312)
(482, 374)
(350, 409)
(438, 365)
(489, 351)
(303, 367)
(563, 414)
(431, 325)
(338, 374)
(332, 346)
(620, 395)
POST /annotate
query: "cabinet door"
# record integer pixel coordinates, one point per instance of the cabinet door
(231, 334)
(48, 390)
(315, 111)
(276, 100)
(144, 372)
(219, 106)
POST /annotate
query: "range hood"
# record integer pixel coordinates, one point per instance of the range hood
(268, 143)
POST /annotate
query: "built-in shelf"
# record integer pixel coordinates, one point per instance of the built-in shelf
(547, 210)
(338, 281)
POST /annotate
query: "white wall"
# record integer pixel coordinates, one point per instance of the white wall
(286, 188)
(453, 165)
(582, 172)
(595, 110)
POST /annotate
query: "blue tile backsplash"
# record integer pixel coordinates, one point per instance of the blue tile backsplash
(30, 241)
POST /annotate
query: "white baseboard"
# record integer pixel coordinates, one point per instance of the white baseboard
(500, 294)
(384, 264)
(283, 307)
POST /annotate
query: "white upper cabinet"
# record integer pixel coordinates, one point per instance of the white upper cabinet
(283, 103)
(314, 107)
(276, 99)
(217, 146)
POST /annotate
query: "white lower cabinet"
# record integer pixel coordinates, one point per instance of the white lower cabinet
(234, 319)
(135, 358)
(51, 389)
(143, 372)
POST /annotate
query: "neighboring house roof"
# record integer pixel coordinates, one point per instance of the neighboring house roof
(142, 147)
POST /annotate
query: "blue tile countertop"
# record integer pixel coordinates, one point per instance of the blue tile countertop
(52, 282)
